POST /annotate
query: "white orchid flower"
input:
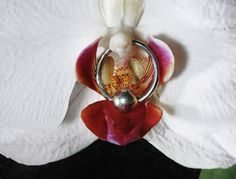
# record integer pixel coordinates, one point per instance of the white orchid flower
(40, 41)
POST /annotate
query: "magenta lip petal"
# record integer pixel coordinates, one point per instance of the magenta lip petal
(164, 56)
(85, 65)
(125, 138)
(112, 125)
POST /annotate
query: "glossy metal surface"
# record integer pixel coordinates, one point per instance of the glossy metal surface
(125, 98)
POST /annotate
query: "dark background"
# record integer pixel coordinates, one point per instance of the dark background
(103, 160)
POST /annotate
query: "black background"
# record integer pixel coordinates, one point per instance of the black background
(104, 160)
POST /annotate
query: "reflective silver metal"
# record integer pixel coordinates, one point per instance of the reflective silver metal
(119, 100)
(125, 100)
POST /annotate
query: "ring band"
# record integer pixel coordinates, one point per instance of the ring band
(155, 80)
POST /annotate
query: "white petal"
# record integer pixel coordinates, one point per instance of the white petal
(205, 87)
(112, 12)
(133, 11)
(210, 14)
(39, 44)
(203, 151)
(199, 102)
(40, 147)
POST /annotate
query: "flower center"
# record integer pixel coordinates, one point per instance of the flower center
(136, 75)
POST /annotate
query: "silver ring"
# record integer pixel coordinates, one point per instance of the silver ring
(155, 76)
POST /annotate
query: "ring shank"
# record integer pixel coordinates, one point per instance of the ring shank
(155, 80)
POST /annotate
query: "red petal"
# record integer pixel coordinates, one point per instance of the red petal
(121, 128)
(165, 58)
(85, 66)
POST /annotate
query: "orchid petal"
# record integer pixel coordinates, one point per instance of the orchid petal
(210, 14)
(44, 146)
(86, 64)
(199, 104)
(202, 151)
(38, 51)
(205, 87)
(118, 127)
(165, 58)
